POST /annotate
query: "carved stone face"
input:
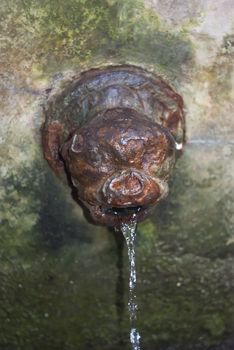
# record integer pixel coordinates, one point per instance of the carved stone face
(115, 133)
(119, 163)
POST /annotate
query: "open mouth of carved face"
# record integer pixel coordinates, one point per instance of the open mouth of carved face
(123, 211)
(115, 215)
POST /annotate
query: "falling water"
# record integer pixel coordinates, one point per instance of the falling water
(129, 232)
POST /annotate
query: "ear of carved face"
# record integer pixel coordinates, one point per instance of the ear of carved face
(51, 142)
(120, 159)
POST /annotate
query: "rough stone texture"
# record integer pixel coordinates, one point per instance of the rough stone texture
(209, 27)
(58, 273)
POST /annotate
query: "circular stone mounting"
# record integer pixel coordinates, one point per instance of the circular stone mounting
(117, 125)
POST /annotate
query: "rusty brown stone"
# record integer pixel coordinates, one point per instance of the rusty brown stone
(115, 133)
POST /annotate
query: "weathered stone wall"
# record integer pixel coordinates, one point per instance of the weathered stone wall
(57, 274)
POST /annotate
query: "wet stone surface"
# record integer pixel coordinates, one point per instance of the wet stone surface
(63, 281)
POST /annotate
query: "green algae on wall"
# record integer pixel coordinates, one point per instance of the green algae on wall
(78, 31)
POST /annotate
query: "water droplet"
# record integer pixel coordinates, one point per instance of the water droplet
(178, 146)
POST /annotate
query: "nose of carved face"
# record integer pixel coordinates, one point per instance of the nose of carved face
(126, 193)
(130, 188)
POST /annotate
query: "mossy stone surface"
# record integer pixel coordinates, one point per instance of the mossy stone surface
(62, 282)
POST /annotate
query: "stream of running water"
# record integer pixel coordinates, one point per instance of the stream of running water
(129, 232)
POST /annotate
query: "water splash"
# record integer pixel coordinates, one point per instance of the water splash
(129, 232)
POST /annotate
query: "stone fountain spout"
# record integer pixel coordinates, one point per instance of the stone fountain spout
(116, 133)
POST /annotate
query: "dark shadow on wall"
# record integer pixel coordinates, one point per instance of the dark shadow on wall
(120, 286)
(57, 222)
